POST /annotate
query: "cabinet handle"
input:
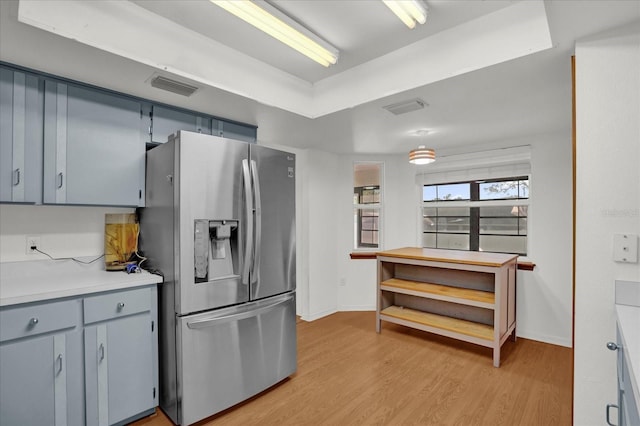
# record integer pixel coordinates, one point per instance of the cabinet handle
(59, 364)
(120, 306)
(33, 321)
(16, 177)
(609, 407)
(612, 346)
(60, 180)
(101, 352)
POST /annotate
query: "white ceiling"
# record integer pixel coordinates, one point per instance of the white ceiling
(502, 100)
(361, 30)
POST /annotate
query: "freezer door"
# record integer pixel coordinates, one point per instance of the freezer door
(273, 269)
(211, 202)
(228, 355)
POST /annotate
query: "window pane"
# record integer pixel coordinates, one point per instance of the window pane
(503, 244)
(369, 195)
(455, 191)
(523, 225)
(429, 240)
(499, 225)
(499, 190)
(453, 241)
(429, 193)
(429, 223)
(524, 188)
(499, 211)
(369, 238)
(367, 182)
(453, 211)
(367, 227)
(429, 211)
(453, 224)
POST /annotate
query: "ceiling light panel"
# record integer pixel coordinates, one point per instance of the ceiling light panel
(281, 27)
(409, 11)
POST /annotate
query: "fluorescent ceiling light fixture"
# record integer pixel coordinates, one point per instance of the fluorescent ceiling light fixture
(281, 27)
(409, 11)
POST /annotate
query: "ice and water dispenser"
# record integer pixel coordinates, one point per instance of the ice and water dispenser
(216, 250)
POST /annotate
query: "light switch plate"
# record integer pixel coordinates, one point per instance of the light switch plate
(625, 248)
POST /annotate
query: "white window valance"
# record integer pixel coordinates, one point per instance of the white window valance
(490, 164)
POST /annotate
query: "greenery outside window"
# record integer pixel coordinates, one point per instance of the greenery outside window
(487, 215)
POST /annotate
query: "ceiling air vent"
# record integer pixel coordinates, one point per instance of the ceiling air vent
(405, 106)
(173, 86)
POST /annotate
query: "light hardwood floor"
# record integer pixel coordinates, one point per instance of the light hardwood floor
(350, 375)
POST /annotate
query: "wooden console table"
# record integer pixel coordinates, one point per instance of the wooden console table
(465, 295)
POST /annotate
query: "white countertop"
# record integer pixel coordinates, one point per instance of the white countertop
(33, 281)
(629, 323)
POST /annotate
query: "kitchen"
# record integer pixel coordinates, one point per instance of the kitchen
(326, 148)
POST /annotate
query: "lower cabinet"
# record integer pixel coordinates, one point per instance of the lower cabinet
(39, 381)
(627, 409)
(40, 355)
(80, 361)
(119, 372)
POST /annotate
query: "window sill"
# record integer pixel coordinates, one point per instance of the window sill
(363, 255)
(359, 255)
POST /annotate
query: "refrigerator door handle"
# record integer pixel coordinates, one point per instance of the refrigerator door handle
(258, 226)
(248, 235)
(208, 322)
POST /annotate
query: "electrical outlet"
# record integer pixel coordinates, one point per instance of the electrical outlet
(32, 241)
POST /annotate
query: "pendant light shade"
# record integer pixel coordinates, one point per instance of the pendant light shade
(422, 155)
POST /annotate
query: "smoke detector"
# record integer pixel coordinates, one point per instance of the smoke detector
(406, 106)
(174, 86)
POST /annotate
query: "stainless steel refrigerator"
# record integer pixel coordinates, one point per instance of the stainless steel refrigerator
(219, 224)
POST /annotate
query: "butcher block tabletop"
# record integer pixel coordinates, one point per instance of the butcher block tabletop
(450, 256)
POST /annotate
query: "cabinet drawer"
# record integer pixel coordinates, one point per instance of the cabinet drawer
(114, 305)
(32, 320)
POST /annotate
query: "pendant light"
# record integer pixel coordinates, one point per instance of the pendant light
(422, 155)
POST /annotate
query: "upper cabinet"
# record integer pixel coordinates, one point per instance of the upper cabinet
(167, 121)
(20, 137)
(63, 142)
(93, 147)
(240, 132)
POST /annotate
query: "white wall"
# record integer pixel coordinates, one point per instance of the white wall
(320, 187)
(336, 283)
(608, 202)
(544, 295)
(65, 231)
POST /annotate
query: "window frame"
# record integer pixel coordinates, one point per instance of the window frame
(475, 204)
(358, 208)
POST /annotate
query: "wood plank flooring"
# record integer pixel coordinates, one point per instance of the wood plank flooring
(350, 375)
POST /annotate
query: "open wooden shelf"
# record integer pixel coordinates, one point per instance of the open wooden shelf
(470, 296)
(483, 299)
(467, 328)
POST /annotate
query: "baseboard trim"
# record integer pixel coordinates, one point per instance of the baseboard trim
(318, 315)
(348, 308)
(552, 340)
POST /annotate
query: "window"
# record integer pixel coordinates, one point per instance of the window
(366, 202)
(487, 215)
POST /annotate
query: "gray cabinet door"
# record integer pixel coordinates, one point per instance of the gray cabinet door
(119, 376)
(39, 384)
(237, 132)
(20, 137)
(93, 147)
(168, 121)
